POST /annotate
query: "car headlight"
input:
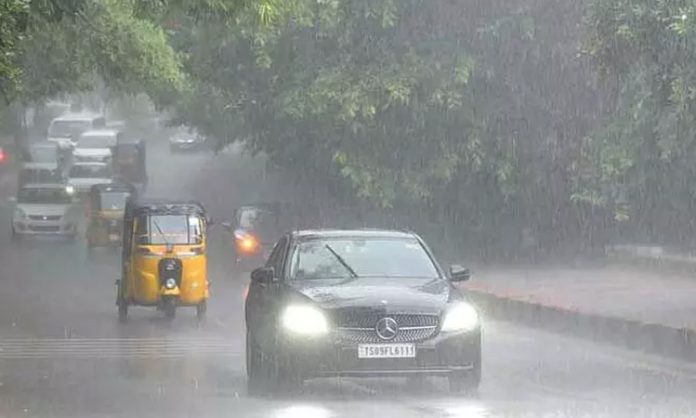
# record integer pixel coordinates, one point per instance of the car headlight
(70, 189)
(460, 317)
(19, 214)
(304, 320)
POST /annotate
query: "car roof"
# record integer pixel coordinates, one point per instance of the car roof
(78, 116)
(31, 166)
(101, 132)
(43, 186)
(351, 233)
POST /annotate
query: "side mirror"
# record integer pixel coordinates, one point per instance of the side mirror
(263, 275)
(459, 273)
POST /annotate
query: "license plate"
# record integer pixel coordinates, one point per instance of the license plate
(113, 237)
(386, 351)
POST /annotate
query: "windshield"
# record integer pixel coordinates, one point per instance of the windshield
(96, 141)
(90, 171)
(370, 257)
(47, 195)
(114, 200)
(66, 128)
(169, 229)
(43, 155)
(34, 175)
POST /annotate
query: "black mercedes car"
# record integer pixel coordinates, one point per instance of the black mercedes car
(359, 303)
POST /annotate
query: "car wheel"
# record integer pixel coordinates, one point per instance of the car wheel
(255, 368)
(466, 382)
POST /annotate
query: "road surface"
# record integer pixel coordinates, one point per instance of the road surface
(64, 354)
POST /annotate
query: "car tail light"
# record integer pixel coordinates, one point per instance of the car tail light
(247, 244)
(2, 155)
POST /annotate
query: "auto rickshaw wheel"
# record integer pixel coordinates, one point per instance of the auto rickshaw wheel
(201, 310)
(122, 311)
(169, 308)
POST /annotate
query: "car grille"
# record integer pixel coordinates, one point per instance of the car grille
(369, 319)
(359, 328)
(44, 228)
(44, 218)
(363, 336)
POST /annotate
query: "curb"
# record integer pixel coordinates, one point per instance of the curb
(652, 258)
(679, 343)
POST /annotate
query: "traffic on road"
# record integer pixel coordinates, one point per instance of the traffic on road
(284, 322)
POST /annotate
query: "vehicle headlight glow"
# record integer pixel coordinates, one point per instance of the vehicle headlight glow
(304, 320)
(70, 189)
(170, 284)
(460, 317)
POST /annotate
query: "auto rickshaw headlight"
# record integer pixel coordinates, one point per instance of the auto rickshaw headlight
(170, 284)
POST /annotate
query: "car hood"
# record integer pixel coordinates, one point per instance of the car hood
(40, 209)
(413, 294)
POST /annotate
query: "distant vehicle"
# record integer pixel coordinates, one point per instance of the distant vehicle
(106, 207)
(46, 153)
(360, 303)
(186, 140)
(65, 129)
(84, 175)
(130, 162)
(4, 158)
(96, 145)
(45, 209)
(255, 228)
(40, 173)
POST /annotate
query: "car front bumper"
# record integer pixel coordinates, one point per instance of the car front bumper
(30, 227)
(441, 355)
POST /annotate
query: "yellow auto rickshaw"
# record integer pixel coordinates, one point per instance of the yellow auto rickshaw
(164, 259)
(105, 209)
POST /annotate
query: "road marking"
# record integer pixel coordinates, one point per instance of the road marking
(117, 348)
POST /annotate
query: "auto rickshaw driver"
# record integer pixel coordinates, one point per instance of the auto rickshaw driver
(164, 257)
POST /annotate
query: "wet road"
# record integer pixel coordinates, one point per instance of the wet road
(63, 353)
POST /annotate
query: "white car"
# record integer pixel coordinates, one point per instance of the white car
(84, 175)
(96, 145)
(186, 140)
(45, 209)
(65, 129)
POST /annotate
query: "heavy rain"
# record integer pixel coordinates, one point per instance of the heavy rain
(347, 208)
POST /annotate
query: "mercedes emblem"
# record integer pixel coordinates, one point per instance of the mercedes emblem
(387, 328)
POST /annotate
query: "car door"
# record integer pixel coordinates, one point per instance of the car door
(263, 299)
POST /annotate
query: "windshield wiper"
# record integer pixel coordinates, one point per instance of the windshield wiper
(159, 230)
(342, 261)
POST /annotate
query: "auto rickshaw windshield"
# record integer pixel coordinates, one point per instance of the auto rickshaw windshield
(114, 200)
(170, 230)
